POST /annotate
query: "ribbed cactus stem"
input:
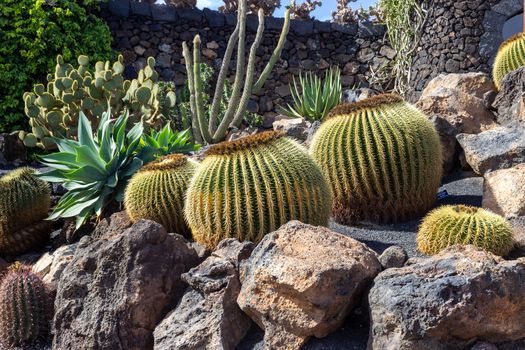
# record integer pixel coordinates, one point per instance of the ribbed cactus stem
(191, 86)
(26, 309)
(459, 224)
(199, 103)
(275, 55)
(510, 56)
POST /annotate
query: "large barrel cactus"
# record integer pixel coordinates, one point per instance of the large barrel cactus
(511, 56)
(459, 224)
(382, 158)
(249, 187)
(157, 192)
(26, 307)
(24, 204)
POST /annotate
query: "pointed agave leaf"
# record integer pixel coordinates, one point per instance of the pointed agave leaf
(85, 133)
(89, 157)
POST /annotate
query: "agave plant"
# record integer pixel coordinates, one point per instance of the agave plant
(313, 98)
(96, 168)
(166, 141)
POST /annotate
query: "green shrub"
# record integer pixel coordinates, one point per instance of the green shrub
(166, 141)
(313, 98)
(33, 33)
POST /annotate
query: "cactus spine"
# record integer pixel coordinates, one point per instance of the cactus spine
(249, 187)
(26, 308)
(157, 192)
(459, 224)
(24, 204)
(511, 56)
(212, 131)
(382, 158)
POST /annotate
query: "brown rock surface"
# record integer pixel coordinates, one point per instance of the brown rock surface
(504, 191)
(302, 281)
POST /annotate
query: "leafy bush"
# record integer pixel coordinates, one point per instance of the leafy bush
(33, 33)
(313, 98)
(95, 169)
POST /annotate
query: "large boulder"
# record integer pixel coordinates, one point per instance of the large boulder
(448, 302)
(454, 104)
(51, 265)
(498, 148)
(118, 287)
(504, 191)
(302, 281)
(510, 101)
(208, 316)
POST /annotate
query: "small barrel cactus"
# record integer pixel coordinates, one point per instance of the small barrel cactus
(249, 187)
(24, 204)
(26, 307)
(511, 56)
(460, 224)
(382, 158)
(157, 192)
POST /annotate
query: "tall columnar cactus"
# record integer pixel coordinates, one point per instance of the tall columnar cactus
(382, 158)
(212, 130)
(459, 224)
(24, 204)
(53, 110)
(511, 56)
(157, 192)
(26, 307)
(249, 187)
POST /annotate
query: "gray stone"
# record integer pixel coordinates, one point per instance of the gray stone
(191, 15)
(510, 100)
(448, 301)
(508, 8)
(214, 19)
(296, 128)
(369, 29)
(393, 256)
(302, 28)
(350, 29)
(208, 316)
(119, 7)
(163, 60)
(140, 8)
(12, 150)
(163, 13)
(498, 148)
(273, 23)
(117, 288)
(322, 26)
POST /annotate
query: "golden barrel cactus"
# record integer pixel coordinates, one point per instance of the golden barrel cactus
(460, 224)
(511, 56)
(382, 158)
(249, 187)
(157, 192)
(24, 204)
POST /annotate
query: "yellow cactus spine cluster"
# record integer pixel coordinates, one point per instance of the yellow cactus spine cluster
(382, 158)
(247, 188)
(459, 224)
(511, 56)
(157, 192)
(24, 204)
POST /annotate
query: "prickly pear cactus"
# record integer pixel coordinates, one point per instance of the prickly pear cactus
(249, 187)
(53, 109)
(383, 160)
(511, 56)
(24, 204)
(26, 307)
(157, 192)
(460, 224)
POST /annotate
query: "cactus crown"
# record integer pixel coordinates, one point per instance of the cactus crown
(461, 224)
(510, 56)
(350, 109)
(169, 162)
(25, 306)
(252, 141)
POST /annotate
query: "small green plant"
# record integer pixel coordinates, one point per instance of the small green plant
(53, 110)
(460, 224)
(511, 56)
(313, 98)
(157, 192)
(166, 141)
(95, 169)
(24, 204)
(207, 128)
(383, 160)
(26, 306)
(33, 33)
(249, 187)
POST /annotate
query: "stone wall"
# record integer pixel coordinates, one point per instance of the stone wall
(141, 30)
(461, 36)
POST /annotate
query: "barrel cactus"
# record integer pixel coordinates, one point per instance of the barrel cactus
(382, 158)
(460, 224)
(249, 187)
(53, 110)
(511, 56)
(157, 192)
(24, 204)
(26, 307)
